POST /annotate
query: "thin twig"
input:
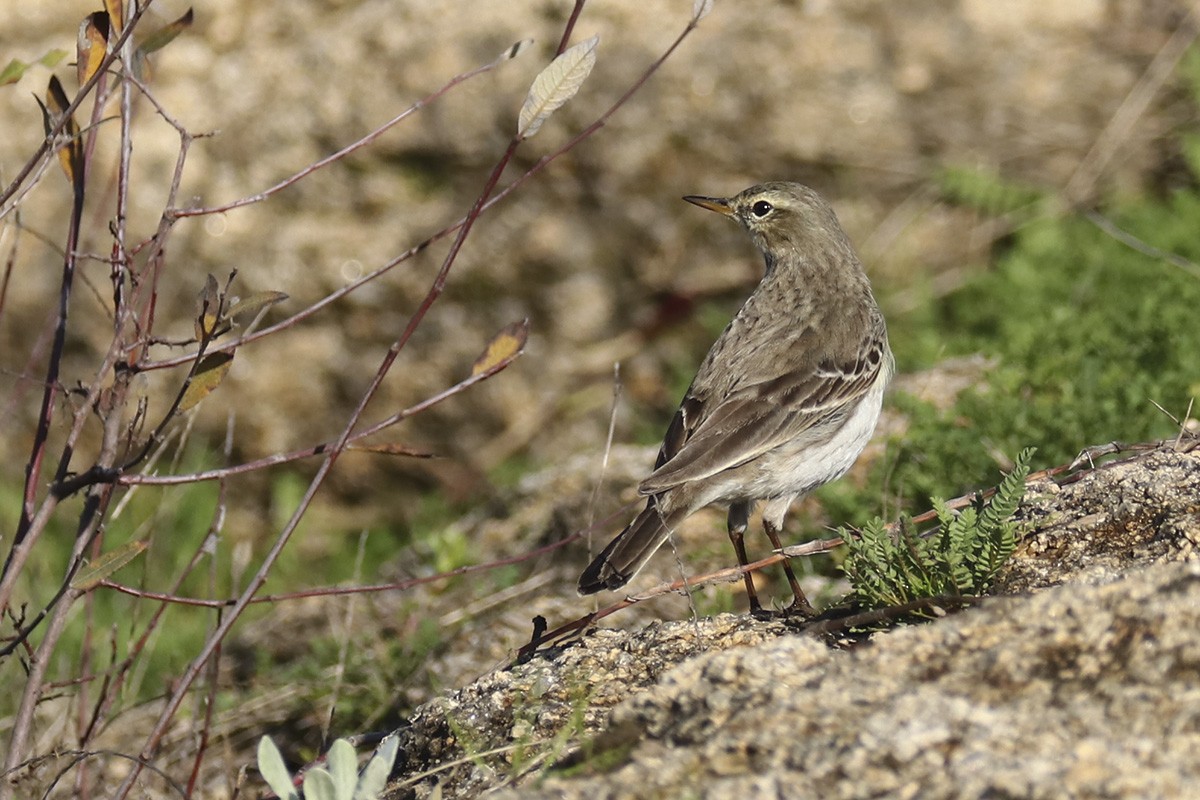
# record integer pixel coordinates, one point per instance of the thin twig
(608, 442)
(43, 152)
(398, 586)
(1145, 248)
(578, 626)
(435, 291)
(569, 28)
(533, 170)
(179, 213)
(115, 476)
(1081, 184)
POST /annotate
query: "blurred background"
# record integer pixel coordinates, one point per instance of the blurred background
(960, 141)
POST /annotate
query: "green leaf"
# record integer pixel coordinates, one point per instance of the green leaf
(343, 768)
(319, 785)
(90, 576)
(375, 775)
(209, 373)
(16, 68)
(961, 556)
(255, 303)
(274, 771)
(166, 34)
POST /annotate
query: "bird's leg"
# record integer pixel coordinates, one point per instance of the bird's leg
(773, 523)
(739, 515)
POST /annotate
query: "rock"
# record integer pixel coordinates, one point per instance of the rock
(1080, 682)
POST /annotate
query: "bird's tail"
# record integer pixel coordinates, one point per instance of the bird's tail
(629, 551)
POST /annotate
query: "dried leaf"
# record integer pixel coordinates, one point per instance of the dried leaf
(15, 69)
(90, 576)
(166, 34)
(211, 371)
(515, 50)
(256, 302)
(92, 46)
(555, 85)
(208, 309)
(701, 9)
(506, 346)
(70, 155)
(116, 14)
(393, 449)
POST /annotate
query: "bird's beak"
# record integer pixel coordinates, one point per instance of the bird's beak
(717, 204)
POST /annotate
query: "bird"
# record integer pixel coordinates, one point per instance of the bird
(786, 399)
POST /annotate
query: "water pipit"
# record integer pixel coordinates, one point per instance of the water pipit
(785, 400)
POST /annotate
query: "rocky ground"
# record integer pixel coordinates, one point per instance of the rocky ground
(1077, 679)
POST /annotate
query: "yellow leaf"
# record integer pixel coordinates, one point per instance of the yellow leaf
(92, 45)
(116, 14)
(70, 154)
(506, 346)
(209, 374)
(90, 576)
(208, 309)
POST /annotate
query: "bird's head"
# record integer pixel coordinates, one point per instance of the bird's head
(780, 217)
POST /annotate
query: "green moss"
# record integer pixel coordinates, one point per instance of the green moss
(1087, 334)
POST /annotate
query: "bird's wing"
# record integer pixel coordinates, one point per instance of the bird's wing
(707, 438)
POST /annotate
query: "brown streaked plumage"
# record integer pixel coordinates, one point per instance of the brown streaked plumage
(784, 401)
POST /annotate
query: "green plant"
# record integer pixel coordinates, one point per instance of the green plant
(961, 557)
(341, 781)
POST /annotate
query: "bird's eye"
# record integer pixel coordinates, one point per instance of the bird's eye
(761, 208)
